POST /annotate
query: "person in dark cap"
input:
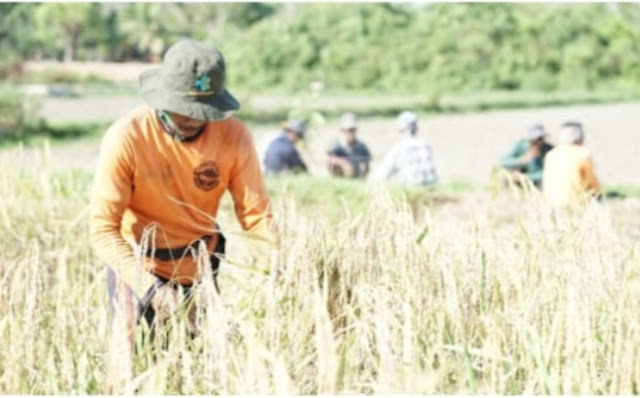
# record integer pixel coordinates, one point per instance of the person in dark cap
(161, 173)
(526, 159)
(282, 156)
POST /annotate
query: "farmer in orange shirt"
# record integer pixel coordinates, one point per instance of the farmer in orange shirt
(569, 179)
(161, 173)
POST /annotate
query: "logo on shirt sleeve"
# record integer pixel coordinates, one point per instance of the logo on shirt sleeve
(206, 175)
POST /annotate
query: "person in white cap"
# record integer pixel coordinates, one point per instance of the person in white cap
(526, 159)
(569, 177)
(348, 156)
(410, 160)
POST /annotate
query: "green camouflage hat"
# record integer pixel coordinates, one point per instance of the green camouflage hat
(190, 82)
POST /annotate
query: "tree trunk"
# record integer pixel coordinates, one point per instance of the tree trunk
(71, 44)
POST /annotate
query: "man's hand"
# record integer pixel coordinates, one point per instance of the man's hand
(340, 167)
(532, 153)
(517, 177)
(164, 303)
(193, 326)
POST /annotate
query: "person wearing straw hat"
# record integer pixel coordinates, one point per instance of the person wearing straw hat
(348, 157)
(410, 159)
(282, 156)
(569, 176)
(161, 173)
(525, 161)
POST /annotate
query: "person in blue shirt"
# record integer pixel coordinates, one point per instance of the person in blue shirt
(282, 154)
(348, 156)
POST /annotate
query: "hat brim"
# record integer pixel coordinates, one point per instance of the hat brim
(210, 108)
(537, 136)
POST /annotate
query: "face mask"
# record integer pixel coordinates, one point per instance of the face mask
(173, 130)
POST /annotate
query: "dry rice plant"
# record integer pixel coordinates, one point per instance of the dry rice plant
(493, 294)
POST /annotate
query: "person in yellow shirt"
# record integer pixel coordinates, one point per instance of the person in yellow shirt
(569, 178)
(161, 173)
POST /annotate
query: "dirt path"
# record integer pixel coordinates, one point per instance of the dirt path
(465, 146)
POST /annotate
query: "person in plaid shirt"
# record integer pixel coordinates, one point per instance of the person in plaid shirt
(410, 160)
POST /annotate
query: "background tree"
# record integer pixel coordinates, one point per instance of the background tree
(62, 28)
(428, 48)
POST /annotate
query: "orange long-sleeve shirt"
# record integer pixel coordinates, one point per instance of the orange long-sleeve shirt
(569, 176)
(147, 183)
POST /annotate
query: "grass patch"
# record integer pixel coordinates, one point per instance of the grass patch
(33, 134)
(334, 104)
(622, 191)
(491, 298)
(339, 197)
(59, 76)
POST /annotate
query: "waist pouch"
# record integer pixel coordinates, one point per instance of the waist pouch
(146, 311)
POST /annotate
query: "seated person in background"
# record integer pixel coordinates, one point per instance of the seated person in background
(348, 157)
(569, 177)
(526, 158)
(282, 154)
(410, 160)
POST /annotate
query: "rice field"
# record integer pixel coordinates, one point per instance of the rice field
(487, 293)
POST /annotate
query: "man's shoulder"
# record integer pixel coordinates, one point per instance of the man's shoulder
(280, 139)
(279, 142)
(359, 145)
(522, 144)
(232, 122)
(570, 152)
(335, 147)
(129, 125)
(415, 142)
(230, 126)
(583, 152)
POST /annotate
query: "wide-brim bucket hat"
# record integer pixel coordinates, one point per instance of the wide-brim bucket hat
(190, 82)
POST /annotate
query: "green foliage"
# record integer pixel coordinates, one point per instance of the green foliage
(60, 76)
(16, 39)
(377, 105)
(442, 48)
(426, 48)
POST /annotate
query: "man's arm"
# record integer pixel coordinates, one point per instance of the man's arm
(246, 185)
(512, 160)
(334, 160)
(110, 197)
(364, 162)
(251, 202)
(535, 175)
(295, 161)
(590, 181)
(334, 149)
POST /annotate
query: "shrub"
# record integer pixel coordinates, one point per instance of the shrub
(17, 110)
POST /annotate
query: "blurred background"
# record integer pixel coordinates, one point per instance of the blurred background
(477, 74)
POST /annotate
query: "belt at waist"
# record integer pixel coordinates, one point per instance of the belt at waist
(168, 254)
